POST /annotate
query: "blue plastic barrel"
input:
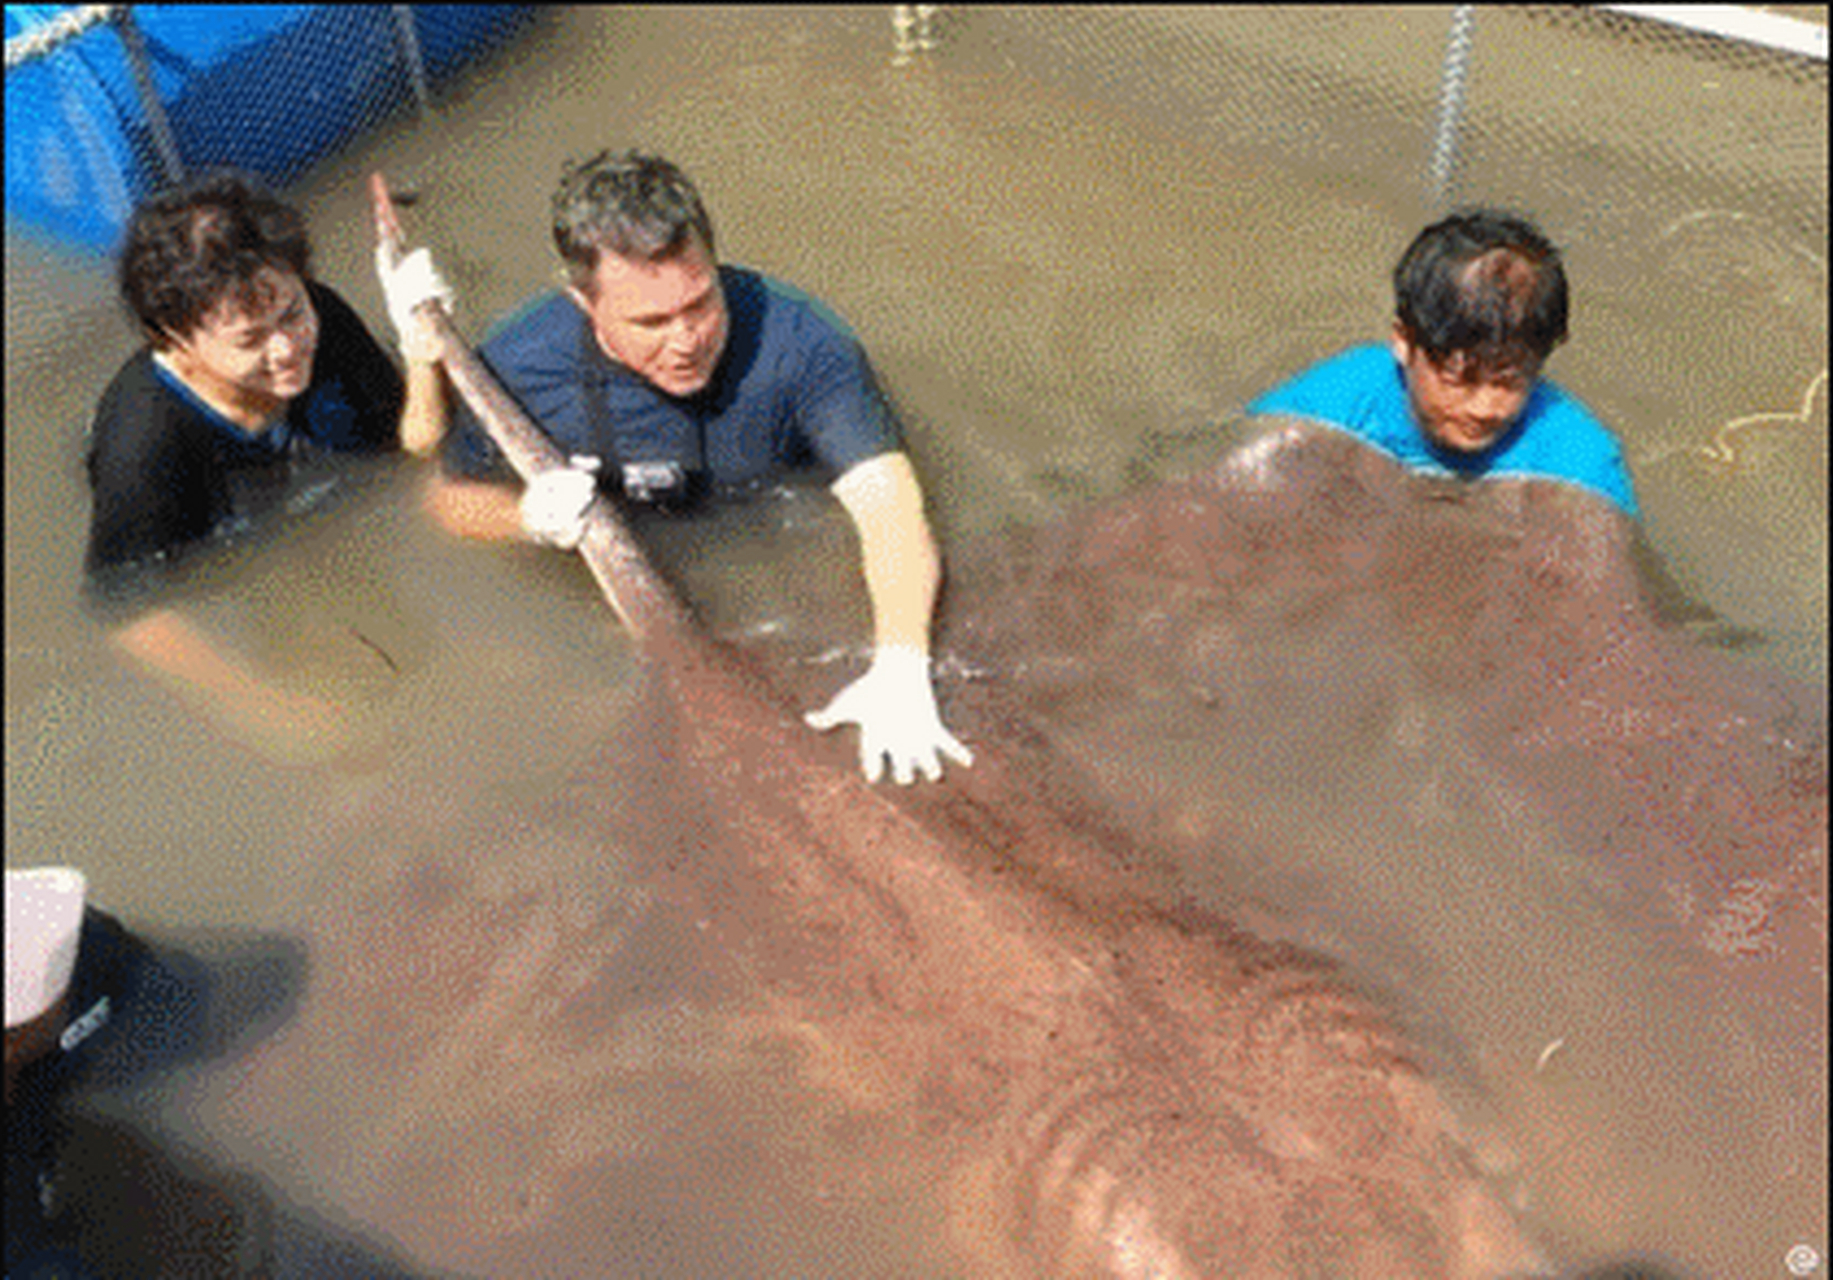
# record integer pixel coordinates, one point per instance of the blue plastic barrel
(70, 168)
(264, 88)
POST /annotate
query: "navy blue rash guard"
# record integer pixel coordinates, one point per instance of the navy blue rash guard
(166, 470)
(793, 389)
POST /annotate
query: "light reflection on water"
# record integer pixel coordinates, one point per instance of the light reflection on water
(1047, 289)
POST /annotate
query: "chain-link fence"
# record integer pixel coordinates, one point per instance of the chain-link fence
(1612, 118)
(1608, 124)
(1604, 120)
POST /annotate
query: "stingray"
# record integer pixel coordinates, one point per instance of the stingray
(1306, 589)
(1339, 650)
(984, 996)
(1082, 1079)
(1085, 1077)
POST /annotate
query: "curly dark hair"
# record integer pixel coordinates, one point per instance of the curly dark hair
(628, 203)
(1484, 284)
(190, 248)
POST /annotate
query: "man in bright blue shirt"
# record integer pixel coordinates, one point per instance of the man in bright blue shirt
(1481, 303)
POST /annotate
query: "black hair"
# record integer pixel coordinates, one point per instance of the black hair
(628, 203)
(1483, 284)
(190, 248)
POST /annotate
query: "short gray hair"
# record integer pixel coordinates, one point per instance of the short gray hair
(628, 203)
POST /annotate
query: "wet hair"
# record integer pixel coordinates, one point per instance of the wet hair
(191, 248)
(1485, 285)
(628, 203)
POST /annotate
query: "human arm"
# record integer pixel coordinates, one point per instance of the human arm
(408, 283)
(479, 510)
(535, 358)
(290, 727)
(898, 554)
(425, 411)
(550, 511)
(893, 703)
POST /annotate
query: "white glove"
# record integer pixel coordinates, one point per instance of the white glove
(407, 282)
(895, 709)
(554, 504)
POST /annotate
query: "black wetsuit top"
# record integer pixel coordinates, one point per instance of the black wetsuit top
(167, 471)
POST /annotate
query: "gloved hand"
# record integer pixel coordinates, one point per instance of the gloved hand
(895, 709)
(408, 281)
(554, 505)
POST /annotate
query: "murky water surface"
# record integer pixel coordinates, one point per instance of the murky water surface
(1059, 293)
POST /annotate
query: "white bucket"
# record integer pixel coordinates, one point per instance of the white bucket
(44, 917)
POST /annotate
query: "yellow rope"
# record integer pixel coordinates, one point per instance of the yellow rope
(1722, 452)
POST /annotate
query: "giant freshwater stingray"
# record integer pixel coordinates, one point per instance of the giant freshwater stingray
(1084, 1080)
(1307, 588)
(1310, 640)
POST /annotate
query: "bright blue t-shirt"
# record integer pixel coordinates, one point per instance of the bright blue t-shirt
(1364, 392)
(792, 389)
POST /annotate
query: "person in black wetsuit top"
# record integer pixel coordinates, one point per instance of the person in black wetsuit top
(252, 371)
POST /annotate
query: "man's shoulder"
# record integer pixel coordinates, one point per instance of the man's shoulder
(138, 409)
(134, 378)
(1558, 429)
(1358, 390)
(330, 304)
(1562, 438)
(1354, 371)
(541, 334)
(780, 307)
(1553, 404)
(341, 330)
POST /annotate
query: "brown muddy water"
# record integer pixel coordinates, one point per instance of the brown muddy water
(1064, 283)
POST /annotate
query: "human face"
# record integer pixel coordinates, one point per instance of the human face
(1461, 405)
(665, 320)
(252, 353)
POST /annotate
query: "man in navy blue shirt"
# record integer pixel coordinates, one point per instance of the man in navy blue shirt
(665, 375)
(1480, 304)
